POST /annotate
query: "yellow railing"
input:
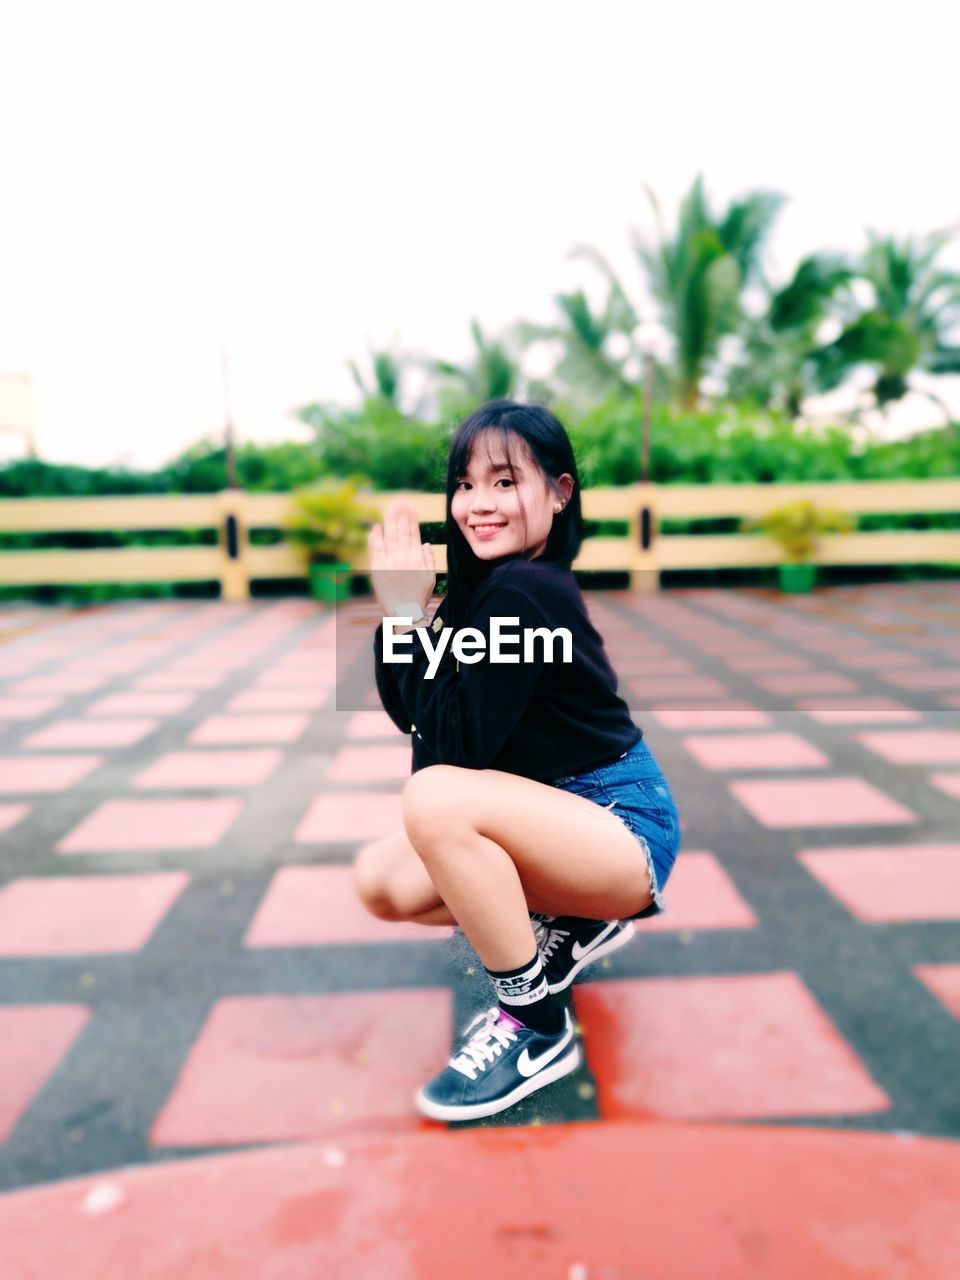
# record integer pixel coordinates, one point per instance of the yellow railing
(234, 562)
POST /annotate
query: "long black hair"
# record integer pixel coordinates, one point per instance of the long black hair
(548, 443)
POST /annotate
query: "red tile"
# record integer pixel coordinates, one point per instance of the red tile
(91, 733)
(193, 769)
(238, 729)
(27, 708)
(270, 1068)
(313, 906)
(877, 660)
(951, 702)
(89, 915)
(310, 667)
(295, 677)
(692, 687)
(748, 1046)
(927, 678)
(311, 659)
(10, 814)
(751, 662)
(856, 710)
(216, 659)
(118, 658)
(725, 645)
(354, 816)
(914, 746)
(755, 751)
(814, 682)
(728, 1202)
(279, 699)
(944, 981)
(145, 704)
(59, 683)
(43, 773)
(176, 679)
(819, 802)
(699, 895)
(731, 715)
(33, 1040)
(651, 668)
(18, 664)
(891, 882)
(126, 825)
(947, 782)
(831, 643)
(370, 764)
(372, 724)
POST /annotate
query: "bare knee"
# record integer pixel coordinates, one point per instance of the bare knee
(433, 803)
(371, 881)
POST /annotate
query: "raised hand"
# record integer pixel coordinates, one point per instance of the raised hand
(402, 568)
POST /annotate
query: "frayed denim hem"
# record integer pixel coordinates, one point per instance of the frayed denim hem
(658, 905)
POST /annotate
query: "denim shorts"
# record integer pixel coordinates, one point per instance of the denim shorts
(635, 790)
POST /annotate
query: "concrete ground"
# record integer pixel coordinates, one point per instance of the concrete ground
(187, 984)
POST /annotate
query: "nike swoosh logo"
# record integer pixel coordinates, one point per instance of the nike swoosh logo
(579, 952)
(528, 1066)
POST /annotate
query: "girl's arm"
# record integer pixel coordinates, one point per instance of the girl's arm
(467, 711)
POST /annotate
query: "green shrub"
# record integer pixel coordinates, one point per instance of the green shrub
(381, 444)
(329, 524)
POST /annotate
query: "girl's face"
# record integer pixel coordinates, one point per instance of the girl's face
(501, 509)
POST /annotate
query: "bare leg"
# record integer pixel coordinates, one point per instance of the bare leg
(393, 884)
(493, 844)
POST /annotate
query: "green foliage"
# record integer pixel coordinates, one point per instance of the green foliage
(379, 443)
(915, 306)
(261, 468)
(698, 271)
(491, 374)
(723, 446)
(735, 446)
(329, 523)
(777, 367)
(796, 527)
(387, 375)
(274, 468)
(34, 479)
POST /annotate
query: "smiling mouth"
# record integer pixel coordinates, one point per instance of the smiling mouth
(485, 528)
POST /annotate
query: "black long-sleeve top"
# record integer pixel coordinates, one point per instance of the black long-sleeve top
(542, 720)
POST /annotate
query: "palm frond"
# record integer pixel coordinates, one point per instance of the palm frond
(746, 226)
(805, 299)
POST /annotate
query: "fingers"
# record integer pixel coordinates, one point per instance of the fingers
(375, 546)
(401, 534)
(410, 533)
(428, 559)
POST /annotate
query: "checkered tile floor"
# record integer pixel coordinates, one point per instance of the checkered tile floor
(184, 967)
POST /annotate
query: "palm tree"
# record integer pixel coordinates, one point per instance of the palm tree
(700, 271)
(777, 365)
(585, 364)
(906, 326)
(384, 385)
(490, 375)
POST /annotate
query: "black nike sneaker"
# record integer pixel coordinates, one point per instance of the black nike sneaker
(568, 944)
(500, 1062)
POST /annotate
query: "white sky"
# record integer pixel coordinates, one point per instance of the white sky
(294, 180)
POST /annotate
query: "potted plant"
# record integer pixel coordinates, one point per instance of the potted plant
(796, 526)
(331, 526)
